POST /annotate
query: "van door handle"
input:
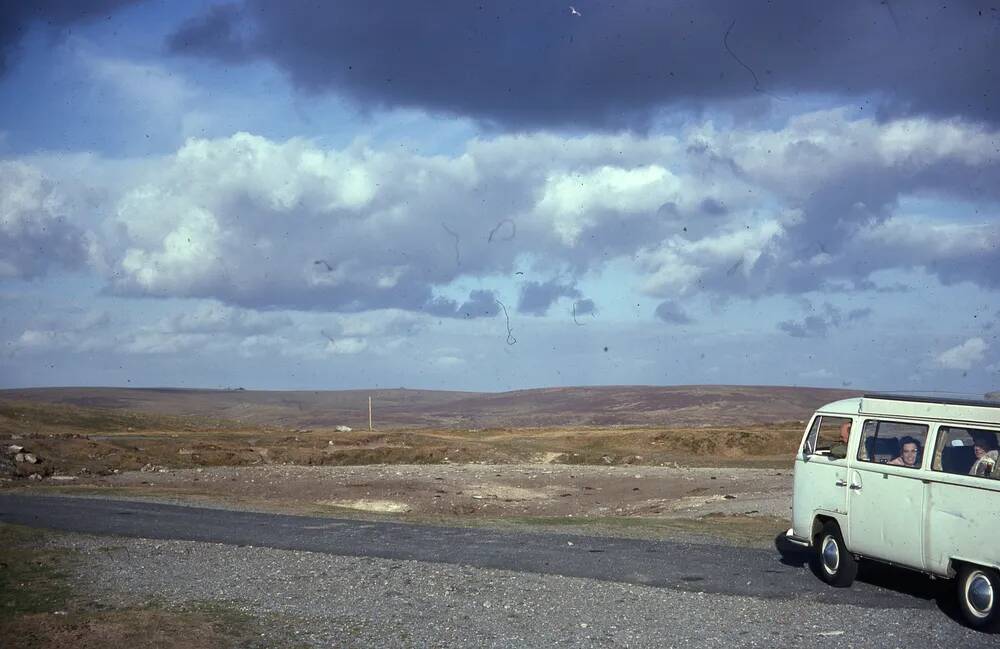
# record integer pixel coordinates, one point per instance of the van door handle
(841, 483)
(856, 487)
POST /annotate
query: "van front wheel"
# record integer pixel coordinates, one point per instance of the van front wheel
(978, 595)
(834, 562)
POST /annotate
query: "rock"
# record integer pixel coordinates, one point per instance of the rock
(30, 458)
(343, 429)
(35, 476)
(14, 449)
(729, 497)
(62, 478)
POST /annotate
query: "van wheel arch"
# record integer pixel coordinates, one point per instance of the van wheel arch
(819, 522)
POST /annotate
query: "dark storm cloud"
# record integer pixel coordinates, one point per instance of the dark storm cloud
(537, 297)
(671, 313)
(19, 16)
(526, 63)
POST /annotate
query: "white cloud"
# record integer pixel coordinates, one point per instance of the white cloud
(964, 356)
(36, 233)
(264, 224)
(346, 346)
(151, 88)
(575, 201)
(448, 361)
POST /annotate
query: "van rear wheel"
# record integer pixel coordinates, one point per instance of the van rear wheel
(834, 562)
(979, 596)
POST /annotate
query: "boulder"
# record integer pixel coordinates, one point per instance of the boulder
(343, 429)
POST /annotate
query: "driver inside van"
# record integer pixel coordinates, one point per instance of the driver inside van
(985, 449)
(909, 454)
(839, 450)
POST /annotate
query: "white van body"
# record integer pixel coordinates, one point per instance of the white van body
(923, 517)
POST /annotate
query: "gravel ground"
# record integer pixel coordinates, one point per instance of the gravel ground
(328, 601)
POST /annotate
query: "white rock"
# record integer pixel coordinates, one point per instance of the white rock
(14, 449)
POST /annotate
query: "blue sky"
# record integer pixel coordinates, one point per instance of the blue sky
(499, 196)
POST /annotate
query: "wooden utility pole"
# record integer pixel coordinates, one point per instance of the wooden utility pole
(369, 413)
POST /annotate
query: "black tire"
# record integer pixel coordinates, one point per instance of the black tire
(834, 562)
(979, 596)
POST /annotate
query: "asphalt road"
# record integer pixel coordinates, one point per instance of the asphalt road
(779, 573)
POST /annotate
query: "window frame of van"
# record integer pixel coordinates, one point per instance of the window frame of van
(816, 422)
(929, 429)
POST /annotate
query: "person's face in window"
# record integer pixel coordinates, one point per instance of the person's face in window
(979, 448)
(909, 454)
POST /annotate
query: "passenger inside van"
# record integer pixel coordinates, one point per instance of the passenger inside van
(985, 449)
(910, 453)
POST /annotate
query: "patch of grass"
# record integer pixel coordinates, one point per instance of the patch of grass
(27, 415)
(32, 577)
(39, 609)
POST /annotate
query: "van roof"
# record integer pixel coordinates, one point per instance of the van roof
(929, 408)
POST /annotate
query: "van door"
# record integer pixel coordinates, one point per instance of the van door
(820, 484)
(886, 493)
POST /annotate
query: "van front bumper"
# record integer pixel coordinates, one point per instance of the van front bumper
(791, 538)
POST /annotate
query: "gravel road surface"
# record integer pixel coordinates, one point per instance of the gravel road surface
(353, 583)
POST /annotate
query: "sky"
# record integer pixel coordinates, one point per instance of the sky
(500, 195)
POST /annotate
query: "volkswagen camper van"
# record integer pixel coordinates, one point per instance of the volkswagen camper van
(909, 481)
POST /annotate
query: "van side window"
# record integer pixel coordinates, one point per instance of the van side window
(968, 451)
(893, 442)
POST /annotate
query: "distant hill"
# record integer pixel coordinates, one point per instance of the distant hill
(693, 405)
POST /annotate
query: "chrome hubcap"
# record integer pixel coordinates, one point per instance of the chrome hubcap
(831, 555)
(979, 593)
